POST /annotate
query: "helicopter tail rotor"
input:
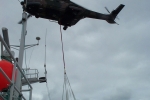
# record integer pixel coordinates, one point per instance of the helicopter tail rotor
(114, 13)
(107, 10)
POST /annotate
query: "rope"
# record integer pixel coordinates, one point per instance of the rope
(63, 89)
(48, 92)
(70, 88)
(63, 50)
(66, 86)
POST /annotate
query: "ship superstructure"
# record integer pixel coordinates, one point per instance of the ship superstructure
(12, 75)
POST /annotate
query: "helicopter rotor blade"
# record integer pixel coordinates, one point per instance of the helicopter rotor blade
(107, 9)
(117, 23)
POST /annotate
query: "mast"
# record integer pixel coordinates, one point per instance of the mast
(21, 51)
(13, 89)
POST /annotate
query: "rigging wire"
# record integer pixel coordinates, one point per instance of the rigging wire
(45, 55)
(48, 90)
(30, 56)
(27, 66)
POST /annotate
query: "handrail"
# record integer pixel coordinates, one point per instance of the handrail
(1, 39)
(1, 70)
(2, 97)
(31, 72)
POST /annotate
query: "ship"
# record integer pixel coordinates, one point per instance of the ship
(12, 74)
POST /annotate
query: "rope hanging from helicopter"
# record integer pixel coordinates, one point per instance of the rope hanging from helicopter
(68, 93)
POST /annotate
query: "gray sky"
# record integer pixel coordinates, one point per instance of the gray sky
(103, 61)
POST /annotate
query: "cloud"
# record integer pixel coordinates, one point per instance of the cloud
(119, 94)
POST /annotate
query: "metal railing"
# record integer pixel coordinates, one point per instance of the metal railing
(31, 73)
(19, 68)
(1, 97)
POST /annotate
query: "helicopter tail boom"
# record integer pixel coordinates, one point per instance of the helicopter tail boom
(115, 12)
(110, 18)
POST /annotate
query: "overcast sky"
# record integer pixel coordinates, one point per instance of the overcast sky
(103, 61)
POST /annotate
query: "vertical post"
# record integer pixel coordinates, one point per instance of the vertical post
(30, 98)
(21, 51)
(13, 80)
(1, 49)
(5, 36)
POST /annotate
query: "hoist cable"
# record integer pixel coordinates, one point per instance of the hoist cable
(62, 50)
(70, 88)
(66, 80)
(48, 92)
(64, 85)
(63, 92)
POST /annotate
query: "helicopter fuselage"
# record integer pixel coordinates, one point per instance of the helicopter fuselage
(53, 10)
(66, 12)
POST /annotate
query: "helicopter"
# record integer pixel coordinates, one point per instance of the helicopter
(65, 12)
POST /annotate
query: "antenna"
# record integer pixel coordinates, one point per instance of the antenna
(38, 38)
(45, 57)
